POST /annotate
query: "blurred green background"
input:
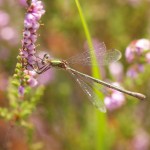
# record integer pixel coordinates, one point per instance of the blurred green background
(64, 118)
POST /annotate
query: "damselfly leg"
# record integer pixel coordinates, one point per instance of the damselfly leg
(39, 65)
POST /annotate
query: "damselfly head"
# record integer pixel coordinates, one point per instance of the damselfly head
(46, 58)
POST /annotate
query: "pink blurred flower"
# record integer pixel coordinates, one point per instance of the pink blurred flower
(143, 44)
(115, 100)
(141, 141)
(23, 3)
(136, 48)
(116, 69)
(21, 90)
(1, 2)
(134, 70)
(4, 18)
(8, 33)
(135, 53)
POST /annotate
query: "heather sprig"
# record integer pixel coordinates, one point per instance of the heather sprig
(136, 49)
(137, 54)
(22, 97)
(34, 13)
(27, 56)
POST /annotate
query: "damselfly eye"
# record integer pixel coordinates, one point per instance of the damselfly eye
(46, 56)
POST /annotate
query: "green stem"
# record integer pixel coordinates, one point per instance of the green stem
(95, 70)
(100, 119)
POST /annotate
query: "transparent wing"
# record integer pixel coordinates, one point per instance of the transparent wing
(87, 85)
(104, 56)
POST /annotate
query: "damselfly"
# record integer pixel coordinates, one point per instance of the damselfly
(85, 81)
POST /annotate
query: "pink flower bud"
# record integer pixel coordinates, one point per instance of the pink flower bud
(26, 33)
(27, 24)
(32, 82)
(24, 54)
(21, 90)
(31, 59)
(30, 17)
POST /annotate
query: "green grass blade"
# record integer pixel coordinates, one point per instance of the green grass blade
(100, 120)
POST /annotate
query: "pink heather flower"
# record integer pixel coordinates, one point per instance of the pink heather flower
(28, 50)
(136, 49)
(132, 73)
(24, 54)
(21, 90)
(32, 82)
(32, 75)
(135, 53)
(31, 59)
(115, 100)
(31, 24)
(143, 44)
(129, 54)
(26, 34)
(134, 70)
